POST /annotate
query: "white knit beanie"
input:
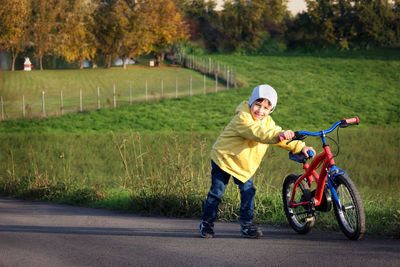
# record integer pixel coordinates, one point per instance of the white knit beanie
(264, 91)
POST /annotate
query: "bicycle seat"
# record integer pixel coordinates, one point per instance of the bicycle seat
(301, 158)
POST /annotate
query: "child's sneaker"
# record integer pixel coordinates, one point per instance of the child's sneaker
(206, 229)
(250, 230)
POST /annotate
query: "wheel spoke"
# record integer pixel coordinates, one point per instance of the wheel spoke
(348, 207)
(348, 212)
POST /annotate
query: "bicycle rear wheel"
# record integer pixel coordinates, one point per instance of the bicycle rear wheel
(299, 217)
(350, 215)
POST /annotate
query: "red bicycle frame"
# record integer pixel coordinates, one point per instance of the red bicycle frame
(310, 174)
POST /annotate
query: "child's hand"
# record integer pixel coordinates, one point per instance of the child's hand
(286, 135)
(307, 148)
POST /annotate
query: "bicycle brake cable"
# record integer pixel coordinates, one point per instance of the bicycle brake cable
(337, 143)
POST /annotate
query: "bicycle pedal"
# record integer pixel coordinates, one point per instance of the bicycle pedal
(310, 219)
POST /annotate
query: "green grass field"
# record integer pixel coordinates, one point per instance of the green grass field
(154, 158)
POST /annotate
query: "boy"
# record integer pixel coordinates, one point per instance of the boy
(238, 152)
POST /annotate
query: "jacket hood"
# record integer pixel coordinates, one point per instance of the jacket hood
(243, 107)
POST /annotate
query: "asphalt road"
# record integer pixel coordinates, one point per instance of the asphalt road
(45, 234)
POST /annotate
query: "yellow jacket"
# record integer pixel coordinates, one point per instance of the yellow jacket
(242, 145)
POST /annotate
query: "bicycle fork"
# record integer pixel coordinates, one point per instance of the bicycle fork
(332, 174)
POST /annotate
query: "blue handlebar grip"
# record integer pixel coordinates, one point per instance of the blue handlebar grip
(310, 153)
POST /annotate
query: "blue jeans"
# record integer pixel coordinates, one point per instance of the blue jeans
(219, 181)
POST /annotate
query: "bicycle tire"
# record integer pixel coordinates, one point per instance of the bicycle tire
(350, 216)
(298, 217)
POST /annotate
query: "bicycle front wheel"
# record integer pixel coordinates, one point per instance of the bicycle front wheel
(300, 218)
(350, 215)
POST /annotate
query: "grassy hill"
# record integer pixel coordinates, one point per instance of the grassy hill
(312, 92)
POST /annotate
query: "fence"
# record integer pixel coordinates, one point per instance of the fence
(56, 103)
(207, 66)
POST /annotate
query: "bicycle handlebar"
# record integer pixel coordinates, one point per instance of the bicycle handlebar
(343, 123)
(300, 135)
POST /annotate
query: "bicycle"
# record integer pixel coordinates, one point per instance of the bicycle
(333, 188)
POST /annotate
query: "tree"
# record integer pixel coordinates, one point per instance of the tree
(75, 41)
(108, 28)
(246, 24)
(14, 30)
(373, 22)
(322, 13)
(396, 22)
(44, 26)
(233, 21)
(203, 22)
(137, 38)
(167, 26)
(346, 23)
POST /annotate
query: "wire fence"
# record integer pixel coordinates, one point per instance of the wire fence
(49, 103)
(56, 103)
(207, 66)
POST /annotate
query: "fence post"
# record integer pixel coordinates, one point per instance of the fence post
(2, 108)
(146, 92)
(114, 96)
(190, 91)
(62, 103)
(176, 87)
(233, 74)
(80, 100)
(23, 106)
(162, 88)
(130, 93)
(227, 79)
(98, 97)
(43, 105)
(216, 82)
(235, 80)
(204, 84)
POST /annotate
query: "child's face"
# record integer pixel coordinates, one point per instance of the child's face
(260, 109)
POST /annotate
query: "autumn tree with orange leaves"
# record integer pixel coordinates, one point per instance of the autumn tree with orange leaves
(137, 37)
(75, 41)
(45, 26)
(168, 26)
(14, 26)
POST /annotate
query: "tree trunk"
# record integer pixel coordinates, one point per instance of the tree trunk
(162, 56)
(108, 61)
(81, 63)
(14, 57)
(41, 62)
(124, 58)
(158, 60)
